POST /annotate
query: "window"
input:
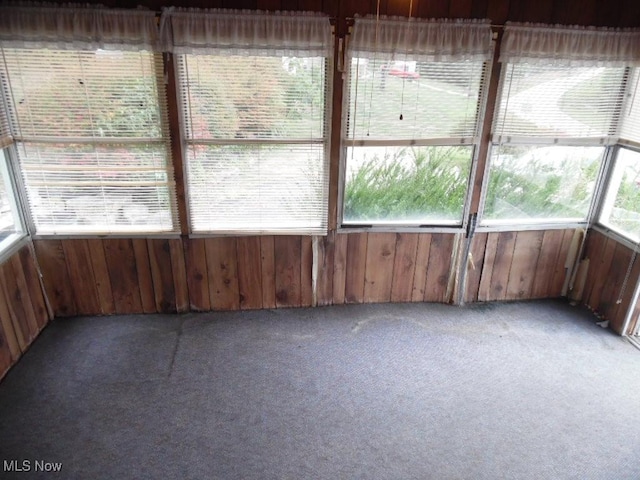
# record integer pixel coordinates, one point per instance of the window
(10, 225)
(255, 114)
(621, 208)
(558, 113)
(413, 111)
(91, 131)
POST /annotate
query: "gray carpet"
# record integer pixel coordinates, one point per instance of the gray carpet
(529, 390)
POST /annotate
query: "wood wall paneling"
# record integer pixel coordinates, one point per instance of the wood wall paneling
(523, 264)
(423, 251)
(306, 269)
(404, 267)
(288, 251)
(197, 278)
(123, 274)
(326, 259)
(145, 280)
(474, 269)
(439, 268)
(268, 272)
(339, 268)
(356, 266)
(379, 267)
(249, 273)
(55, 276)
(222, 271)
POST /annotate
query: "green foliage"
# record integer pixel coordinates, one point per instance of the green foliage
(412, 183)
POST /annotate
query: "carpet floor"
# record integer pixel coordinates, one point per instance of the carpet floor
(528, 390)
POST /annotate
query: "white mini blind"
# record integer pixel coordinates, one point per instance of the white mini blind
(552, 102)
(631, 113)
(415, 80)
(563, 84)
(92, 140)
(254, 109)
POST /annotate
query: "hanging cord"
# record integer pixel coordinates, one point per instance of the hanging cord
(404, 78)
(375, 55)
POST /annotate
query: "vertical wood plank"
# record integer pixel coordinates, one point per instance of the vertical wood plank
(162, 275)
(22, 293)
(9, 332)
(16, 306)
(6, 356)
(439, 267)
(197, 279)
(379, 267)
(83, 282)
(145, 280)
(223, 273)
(422, 266)
(55, 277)
(626, 296)
(484, 290)
(356, 267)
(404, 267)
(15, 324)
(546, 265)
(123, 275)
(608, 305)
(101, 276)
(32, 278)
(339, 268)
(287, 261)
(502, 265)
(268, 266)
(474, 273)
(306, 267)
(326, 258)
(249, 273)
(560, 269)
(523, 265)
(179, 274)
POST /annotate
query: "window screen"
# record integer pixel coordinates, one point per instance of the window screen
(92, 139)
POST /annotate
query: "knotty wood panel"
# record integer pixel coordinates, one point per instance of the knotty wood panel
(249, 273)
(100, 273)
(268, 272)
(474, 271)
(326, 258)
(379, 267)
(523, 265)
(222, 271)
(23, 311)
(404, 267)
(145, 280)
(55, 276)
(339, 268)
(121, 264)
(287, 260)
(438, 272)
(422, 265)
(197, 279)
(356, 267)
(160, 260)
(83, 282)
(306, 268)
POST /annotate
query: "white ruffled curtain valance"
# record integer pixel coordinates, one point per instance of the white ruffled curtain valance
(249, 33)
(574, 46)
(77, 27)
(424, 40)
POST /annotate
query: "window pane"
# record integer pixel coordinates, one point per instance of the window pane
(436, 100)
(406, 185)
(246, 188)
(559, 101)
(9, 219)
(622, 204)
(248, 97)
(98, 189)
(86, 94)
(528, 182)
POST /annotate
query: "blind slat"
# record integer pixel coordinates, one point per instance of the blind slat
(78, 178)
(254, 180)
(552, 101)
